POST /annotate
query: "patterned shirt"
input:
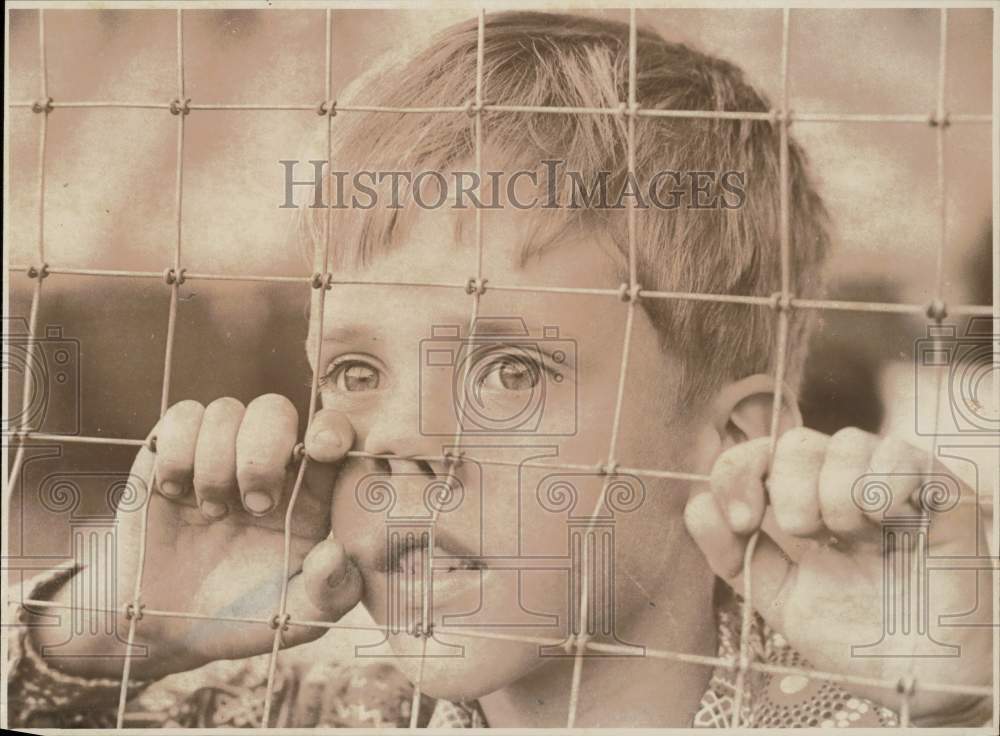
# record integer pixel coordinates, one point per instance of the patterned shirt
(330, 694)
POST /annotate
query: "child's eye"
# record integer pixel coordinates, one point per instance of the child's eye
(508, 372)
(351, 375)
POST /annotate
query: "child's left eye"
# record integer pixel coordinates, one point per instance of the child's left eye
(510, 373)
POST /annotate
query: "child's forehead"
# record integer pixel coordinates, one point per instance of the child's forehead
(519, 248)
(439, 249)
(385, 317)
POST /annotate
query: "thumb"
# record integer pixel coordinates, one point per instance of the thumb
(328, 587)
(772, 573)
(329, 437)
(771, 576)
(331, 579)
(327, 440)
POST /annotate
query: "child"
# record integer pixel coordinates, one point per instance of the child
(542, 380)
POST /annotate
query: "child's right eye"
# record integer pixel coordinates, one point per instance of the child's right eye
(352, 375)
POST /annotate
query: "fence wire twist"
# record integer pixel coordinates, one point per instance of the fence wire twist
(322, 280)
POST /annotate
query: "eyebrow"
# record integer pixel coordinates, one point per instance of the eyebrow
(506, 326)
(344, 333)
(454, 327)
(486, 327)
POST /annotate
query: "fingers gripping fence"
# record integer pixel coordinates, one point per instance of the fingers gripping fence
(322, 280)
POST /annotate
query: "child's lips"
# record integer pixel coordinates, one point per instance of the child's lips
(448, 554)
(441, 561)
(451, 577)
(453, 574)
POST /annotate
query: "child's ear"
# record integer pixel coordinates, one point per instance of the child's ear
(743, 409)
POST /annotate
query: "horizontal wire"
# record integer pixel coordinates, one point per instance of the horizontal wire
(379, 282)
(18, 436)
(581, 467)
(794, 302)
(200, 276)
(476, 633)
(100, 103)
(403, 110)
(936, 687)
(188, 275)
(925, 119)
(956, 310)
(188, 615)
(597, 647)
(251, 106)
(113, 273)
(706, 297)
(544, 110)
(555, 289)
(595, 469)
(770, 115)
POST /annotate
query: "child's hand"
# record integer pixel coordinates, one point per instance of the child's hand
(817, 572)
(215, 536)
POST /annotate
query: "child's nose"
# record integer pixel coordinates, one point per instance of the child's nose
(397, 432)
(409, 477)
(406, 423)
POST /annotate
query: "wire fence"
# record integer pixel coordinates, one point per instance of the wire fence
(631, 292)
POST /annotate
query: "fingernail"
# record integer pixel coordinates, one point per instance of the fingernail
(257, 502)
(740, 515)
(170, 489)
(327, 439)
(339, 575)
(214, 510)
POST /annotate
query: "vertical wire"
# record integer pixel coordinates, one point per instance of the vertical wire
(322, 264)
(36, 295)
(418, 685)
(480, 58)
(940, 113)
(167, 363)
(995, 334)
(178, 204)
(780, 360)
(938, 295)
(907, 683)
(632, 107)
(43, 134)
(579, 641)
(904, 707)
(27, 389)
(427, 572)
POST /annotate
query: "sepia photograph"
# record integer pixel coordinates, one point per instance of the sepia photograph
(460, 365)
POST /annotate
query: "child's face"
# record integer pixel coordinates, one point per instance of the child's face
(394, 368)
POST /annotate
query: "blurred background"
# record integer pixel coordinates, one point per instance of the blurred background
(110, 190)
